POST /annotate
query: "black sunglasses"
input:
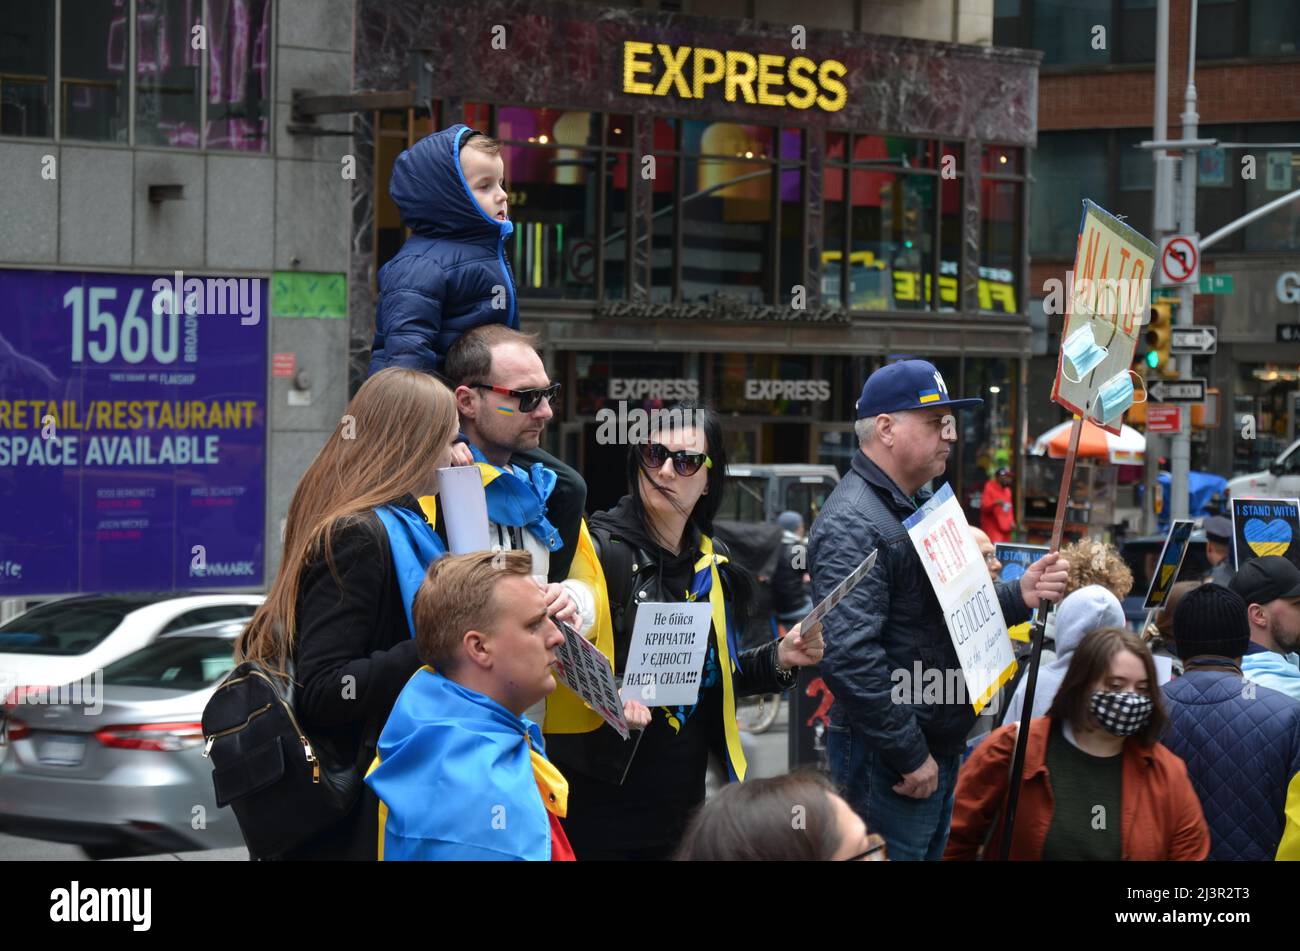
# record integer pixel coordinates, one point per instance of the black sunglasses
(529, 400)
(653, 455)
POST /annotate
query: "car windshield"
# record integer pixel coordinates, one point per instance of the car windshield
(180, 663)
(65, 627)
(742, 499)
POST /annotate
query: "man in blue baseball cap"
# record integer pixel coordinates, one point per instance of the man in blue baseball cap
(896, 760)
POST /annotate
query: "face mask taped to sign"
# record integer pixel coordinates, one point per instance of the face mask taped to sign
(1082, 352)
(1116, 395)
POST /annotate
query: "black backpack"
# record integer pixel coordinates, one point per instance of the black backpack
(282, 788)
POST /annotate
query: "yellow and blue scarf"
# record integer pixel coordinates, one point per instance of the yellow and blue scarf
(512, 499)
(415, 546)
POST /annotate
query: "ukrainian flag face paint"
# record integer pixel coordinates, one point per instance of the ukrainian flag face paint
(505, 410)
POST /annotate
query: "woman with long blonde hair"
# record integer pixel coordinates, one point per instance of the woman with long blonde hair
(336, 619)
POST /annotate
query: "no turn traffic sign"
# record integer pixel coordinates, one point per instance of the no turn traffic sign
(1180, 260)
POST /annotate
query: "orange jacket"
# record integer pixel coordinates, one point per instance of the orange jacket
(1161, 819)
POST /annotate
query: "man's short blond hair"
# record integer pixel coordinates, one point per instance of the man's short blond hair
(457, 596)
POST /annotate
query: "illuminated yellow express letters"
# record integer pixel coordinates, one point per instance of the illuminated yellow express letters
(768, 79)
(633, 67)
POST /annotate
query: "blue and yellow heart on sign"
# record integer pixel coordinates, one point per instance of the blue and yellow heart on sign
(1272, 537)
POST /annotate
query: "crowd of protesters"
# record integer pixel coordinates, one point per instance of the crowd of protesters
(432, 676)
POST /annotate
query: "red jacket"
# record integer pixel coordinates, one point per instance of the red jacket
(997, 515)
(1161, 819)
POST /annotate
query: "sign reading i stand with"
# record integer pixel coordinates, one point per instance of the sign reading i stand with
(1177, 391)
(1196, 340)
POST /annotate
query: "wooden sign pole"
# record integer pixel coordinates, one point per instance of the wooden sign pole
(1036, 638)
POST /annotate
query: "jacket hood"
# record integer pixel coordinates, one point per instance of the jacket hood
(1271, 662)
(1083, 611)
(430, 191)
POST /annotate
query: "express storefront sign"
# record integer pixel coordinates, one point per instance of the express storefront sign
(765, 79)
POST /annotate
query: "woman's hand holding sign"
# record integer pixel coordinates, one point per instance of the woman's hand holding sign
(798, 649)
(636, 714)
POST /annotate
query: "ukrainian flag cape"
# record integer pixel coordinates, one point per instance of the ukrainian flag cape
(566, 712)
(512, 499)
(459, 776)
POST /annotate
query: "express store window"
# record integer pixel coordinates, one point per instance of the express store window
(665, 209)
(727, 213)
(616, 162)
(951, 218)
(887, 193)
(553, 187)
(1002, 192)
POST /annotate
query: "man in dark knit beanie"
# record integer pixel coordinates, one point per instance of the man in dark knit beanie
(1241, 741)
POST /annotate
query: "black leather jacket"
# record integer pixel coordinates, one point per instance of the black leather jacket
(632, 577)
(887, 624)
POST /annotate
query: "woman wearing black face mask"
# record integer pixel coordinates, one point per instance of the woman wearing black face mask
(1097, 785)
(632, 799)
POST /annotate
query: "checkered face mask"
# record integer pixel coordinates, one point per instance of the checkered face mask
(1122, 714)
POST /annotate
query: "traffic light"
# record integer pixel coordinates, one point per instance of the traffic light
(1159, 335)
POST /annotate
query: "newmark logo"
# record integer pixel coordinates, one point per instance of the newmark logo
(76, 904)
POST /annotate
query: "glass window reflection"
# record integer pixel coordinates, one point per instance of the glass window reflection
(167, 69)
(27, 70)
(93, 85)
(239, 75)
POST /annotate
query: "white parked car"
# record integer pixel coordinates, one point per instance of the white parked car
(1281, 480)
(64, 641)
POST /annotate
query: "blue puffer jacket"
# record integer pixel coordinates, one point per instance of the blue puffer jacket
(441, 283)
(888, 624)
(1241, 743)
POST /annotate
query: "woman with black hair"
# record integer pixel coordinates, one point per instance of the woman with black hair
(632, 799)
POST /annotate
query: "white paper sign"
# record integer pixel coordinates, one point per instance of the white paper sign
(965, 591)
(666, 657)
(464, 509)
(581, 667)
(837, 595)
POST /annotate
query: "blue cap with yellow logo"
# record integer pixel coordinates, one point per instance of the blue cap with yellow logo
(907, 384)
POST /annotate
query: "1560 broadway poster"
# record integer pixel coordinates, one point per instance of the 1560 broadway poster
(132, 432)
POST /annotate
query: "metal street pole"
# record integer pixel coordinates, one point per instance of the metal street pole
(1162, 201)
(1181, 443)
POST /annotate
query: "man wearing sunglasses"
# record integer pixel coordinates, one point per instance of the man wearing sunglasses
(505, 398)
(897, 760)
